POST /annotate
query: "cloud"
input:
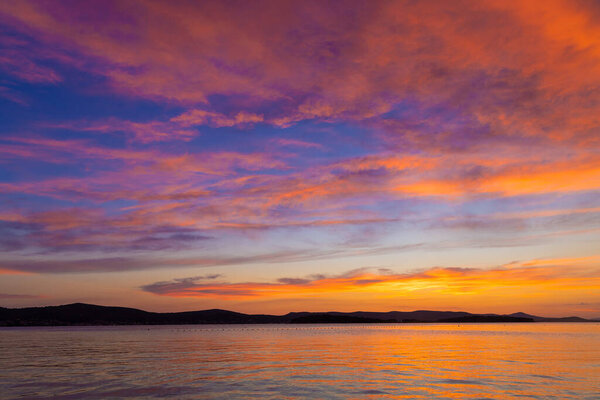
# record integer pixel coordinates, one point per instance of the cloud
(176, 200)
(23, 60)
(142, 132)
(11, 95)
(495, 66)
(297, 143)
(4, 271)
(354, 66)
(29, 264)
(217, 120)
(6, 296)
(376, 113)
(178, 128)
(552, 274)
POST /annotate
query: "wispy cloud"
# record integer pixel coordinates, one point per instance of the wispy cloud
(297, 143)
(178, 199)
(6, 296)
(553, 274)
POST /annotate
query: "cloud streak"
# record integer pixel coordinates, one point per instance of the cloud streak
(558, 274)
(6, 296)
(179, 199)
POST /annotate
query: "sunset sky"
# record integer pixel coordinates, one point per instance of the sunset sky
(276, 156)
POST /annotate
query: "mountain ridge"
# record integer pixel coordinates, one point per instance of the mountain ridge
(91, 314)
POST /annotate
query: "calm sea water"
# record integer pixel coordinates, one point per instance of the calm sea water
(429, 361)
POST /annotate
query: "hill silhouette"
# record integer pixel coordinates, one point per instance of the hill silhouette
(544, 319)
(90, 314)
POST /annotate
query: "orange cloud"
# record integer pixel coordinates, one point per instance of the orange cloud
(352, 67)
(538, 276)
(4, 271)
(553, 177)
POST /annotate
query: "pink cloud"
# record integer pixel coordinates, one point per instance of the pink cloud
(212, 191)
(297, 143)
(143, 132)
(214, 119)
(20, 66)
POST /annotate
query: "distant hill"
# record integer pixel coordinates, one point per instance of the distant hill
(89, 314)
(544, 319)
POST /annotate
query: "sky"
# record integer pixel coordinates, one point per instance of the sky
(277, 156)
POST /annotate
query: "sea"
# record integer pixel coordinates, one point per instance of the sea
(335, 361)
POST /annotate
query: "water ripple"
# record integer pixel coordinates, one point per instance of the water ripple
(432, 361)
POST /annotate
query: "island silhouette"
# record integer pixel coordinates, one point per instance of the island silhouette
(90, 314)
